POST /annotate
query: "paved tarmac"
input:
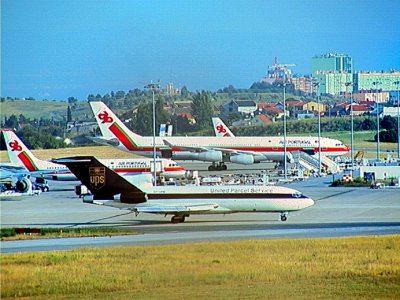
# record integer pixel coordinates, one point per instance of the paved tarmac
(337, 212)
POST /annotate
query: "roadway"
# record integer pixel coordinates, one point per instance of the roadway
(337, 212)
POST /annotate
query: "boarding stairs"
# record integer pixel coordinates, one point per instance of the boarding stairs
(305, 161)
(330, 165)
(311, 162)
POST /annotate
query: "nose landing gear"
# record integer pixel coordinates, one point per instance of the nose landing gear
(284, 216)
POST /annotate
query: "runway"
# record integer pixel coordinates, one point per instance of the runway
(337, 212)
(264, 232)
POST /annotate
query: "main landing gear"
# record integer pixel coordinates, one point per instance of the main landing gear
(220, 167)
(284, 216)
(178, 219)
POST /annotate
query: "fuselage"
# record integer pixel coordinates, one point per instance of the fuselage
(227, 199)
(264, 145)
(165, 167)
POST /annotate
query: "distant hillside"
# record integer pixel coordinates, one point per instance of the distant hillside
(39, 109)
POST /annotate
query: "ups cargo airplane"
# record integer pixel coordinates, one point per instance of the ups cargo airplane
(245, 150)
(19, 153)
(111, 189)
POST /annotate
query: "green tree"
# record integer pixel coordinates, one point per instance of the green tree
(388, 123)
(69, 114)
(387, 136)
(143, 121)
(184, 91)
(72, 100)
(202, 109)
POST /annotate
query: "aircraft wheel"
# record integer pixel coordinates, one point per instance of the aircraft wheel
(224, 167)
(283, 218)
(177, 219)
(211, 168)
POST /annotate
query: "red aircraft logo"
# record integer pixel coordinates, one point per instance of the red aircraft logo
(105, 118)
(15, 146)
(221, 129)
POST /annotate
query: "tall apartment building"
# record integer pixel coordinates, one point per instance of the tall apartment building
(334, 83)
(332, 63)
(332, 71)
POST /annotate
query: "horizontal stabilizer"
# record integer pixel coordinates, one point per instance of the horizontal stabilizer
(104, 141)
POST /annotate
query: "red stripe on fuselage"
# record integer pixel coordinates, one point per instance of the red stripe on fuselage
(122, 137)
(27, 162)
(255, 149)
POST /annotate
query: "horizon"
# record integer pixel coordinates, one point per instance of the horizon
(59, 49)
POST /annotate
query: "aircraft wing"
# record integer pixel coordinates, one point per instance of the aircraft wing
(174, 209)
(187, 148)
(203, 149)
(157, 209)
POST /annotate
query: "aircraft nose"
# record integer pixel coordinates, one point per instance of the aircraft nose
(308, 202)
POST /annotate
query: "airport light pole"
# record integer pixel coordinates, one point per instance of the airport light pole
(284, 129)
(352, 123)
(397, 83)
(377, 122)
(154, 86)
(316, 84)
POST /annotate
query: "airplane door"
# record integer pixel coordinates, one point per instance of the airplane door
(158, 166)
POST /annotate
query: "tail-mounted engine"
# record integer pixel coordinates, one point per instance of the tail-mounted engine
(23, 185)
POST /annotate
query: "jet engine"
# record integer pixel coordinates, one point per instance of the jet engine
(212, 156)
(23, 185)
(244, 159)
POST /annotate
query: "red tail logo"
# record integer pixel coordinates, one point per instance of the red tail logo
(221, 129)
(105, 118)
(15, 146)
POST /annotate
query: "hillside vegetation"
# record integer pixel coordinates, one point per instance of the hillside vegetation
(34, 109)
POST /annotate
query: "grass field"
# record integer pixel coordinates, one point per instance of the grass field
(362, 139)
(342, 268)
(12, 234)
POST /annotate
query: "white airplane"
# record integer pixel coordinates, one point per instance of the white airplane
(242, 150)
(180, 201)
(18, 153)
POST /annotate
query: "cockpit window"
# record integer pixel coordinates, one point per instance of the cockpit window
(297, 195)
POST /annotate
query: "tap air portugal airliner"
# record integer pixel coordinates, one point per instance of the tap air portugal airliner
(18, 153)
(110, 189)
(245, 150)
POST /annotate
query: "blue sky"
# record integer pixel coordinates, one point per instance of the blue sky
(55, 49)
